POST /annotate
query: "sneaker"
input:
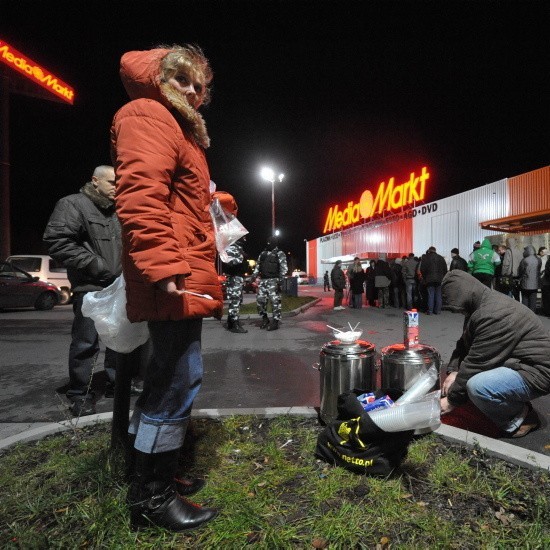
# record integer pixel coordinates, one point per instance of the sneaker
(136, 388)
(82, 406)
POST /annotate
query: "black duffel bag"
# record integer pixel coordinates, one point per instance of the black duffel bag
(356, 443)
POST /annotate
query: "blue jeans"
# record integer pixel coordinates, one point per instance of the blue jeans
(434, 298)
(83, 352)
(410, 289)
(501, 395)
(171, 383)
(357, 301)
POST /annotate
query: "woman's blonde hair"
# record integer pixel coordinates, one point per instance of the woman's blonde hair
(189, 59)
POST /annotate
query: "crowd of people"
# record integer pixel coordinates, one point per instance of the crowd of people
(411, 281)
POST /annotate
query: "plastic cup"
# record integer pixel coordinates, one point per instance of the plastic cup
(410, 416)
(420, 388)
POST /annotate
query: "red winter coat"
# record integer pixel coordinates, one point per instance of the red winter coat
(162, 201)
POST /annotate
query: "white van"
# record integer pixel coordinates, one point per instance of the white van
(46, 269)
(302, 277)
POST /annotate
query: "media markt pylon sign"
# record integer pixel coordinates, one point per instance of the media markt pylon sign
(35, 72)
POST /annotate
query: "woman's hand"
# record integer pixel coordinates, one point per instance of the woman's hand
(173, 285)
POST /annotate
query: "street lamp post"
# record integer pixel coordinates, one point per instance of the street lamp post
(269, 175)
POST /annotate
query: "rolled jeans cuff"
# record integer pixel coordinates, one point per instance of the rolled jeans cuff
(159, 436)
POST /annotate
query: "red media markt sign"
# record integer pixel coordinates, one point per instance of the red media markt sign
(34, 72)
(389, 197)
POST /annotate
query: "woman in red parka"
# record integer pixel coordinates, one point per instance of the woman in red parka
(162, 198)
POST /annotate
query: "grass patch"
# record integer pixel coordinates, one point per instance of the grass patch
(66, 491)
(288, 303)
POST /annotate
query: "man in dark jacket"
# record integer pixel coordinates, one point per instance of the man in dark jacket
(338, 280)
(409, 275)
(433, 268)
(457, 261)
(83, 233)
(529, 276)
(502, 360)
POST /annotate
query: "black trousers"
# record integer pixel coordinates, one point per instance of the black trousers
(84, 350)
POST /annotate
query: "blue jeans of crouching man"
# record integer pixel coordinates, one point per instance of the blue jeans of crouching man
(501, 395)
(171, 383)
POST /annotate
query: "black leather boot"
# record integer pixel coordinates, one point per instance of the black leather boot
(274, 325)
(153, 499)
(238, 328)
(185, 486)
(265, 322)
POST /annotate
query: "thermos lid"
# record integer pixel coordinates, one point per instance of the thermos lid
(336, 347)
(420, 353)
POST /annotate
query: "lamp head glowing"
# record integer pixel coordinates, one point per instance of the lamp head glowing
(268, 174)
(281, 176)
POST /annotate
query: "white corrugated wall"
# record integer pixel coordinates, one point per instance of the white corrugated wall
(456, 221)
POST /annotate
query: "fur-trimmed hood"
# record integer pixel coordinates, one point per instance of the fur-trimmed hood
(140, 73)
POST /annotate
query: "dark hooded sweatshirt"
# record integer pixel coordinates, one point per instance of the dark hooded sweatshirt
(497, 330)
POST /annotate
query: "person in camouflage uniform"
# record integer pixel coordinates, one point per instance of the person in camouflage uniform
(271, 267)
(235, 269)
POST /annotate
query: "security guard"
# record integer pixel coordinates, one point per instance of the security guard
(271, 267)
(235, 269)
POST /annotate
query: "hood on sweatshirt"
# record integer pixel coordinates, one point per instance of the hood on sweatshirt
(529, 250)
(462, 292)
(486, 243)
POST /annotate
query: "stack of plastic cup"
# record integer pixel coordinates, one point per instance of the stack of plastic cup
(425, 413)
(421, 387)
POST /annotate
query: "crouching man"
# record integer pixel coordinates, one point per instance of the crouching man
(502, 360)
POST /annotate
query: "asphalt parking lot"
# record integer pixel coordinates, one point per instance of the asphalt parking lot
(241, 371)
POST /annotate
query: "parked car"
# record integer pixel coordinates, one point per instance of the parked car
(46, 269)
(301, 276)
(20, 289)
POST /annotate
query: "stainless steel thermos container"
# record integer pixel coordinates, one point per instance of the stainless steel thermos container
(400, 367)
(344, 367)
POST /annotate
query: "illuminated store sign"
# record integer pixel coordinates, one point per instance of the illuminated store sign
(33, 71)
(388, 197)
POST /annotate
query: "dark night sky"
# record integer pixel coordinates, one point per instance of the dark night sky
(337, 95)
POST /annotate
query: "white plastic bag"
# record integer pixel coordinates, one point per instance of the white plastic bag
(107, 309)
(227, 229)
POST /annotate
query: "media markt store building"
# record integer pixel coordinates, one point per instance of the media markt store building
(393, 220)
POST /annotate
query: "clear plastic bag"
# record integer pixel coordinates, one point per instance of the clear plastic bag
(107, 309)
(227, 229)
